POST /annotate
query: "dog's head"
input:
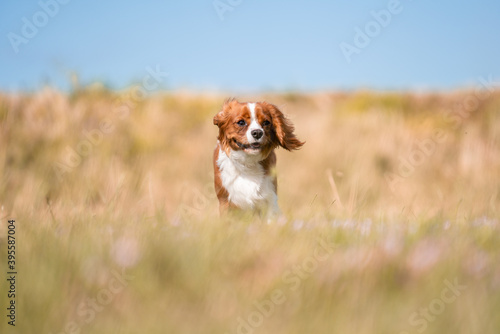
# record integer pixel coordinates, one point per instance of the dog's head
(254, 128)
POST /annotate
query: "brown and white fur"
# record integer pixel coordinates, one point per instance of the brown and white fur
(244, 158)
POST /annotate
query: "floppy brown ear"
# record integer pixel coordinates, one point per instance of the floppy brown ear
(283, 129)
(218, 118)
(221, 116)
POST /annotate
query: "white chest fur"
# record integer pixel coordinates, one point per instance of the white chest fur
(246, 182)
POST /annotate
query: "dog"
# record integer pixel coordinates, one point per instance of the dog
(244, 158)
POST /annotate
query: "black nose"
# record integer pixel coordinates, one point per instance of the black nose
(257, 133)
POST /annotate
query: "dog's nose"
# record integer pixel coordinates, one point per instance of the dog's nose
(257, 133)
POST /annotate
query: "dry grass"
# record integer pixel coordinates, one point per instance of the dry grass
(393, 198)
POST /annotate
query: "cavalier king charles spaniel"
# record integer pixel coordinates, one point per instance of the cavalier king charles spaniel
(244, 158)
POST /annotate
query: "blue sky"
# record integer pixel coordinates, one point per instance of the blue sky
(257, 45)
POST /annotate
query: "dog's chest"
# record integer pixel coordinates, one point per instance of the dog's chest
(246, 182)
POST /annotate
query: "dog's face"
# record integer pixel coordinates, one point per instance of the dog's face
(254, 128)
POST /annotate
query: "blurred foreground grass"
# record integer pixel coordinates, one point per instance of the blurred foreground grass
(392, 206)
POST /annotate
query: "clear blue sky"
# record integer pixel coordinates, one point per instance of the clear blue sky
(259, 44)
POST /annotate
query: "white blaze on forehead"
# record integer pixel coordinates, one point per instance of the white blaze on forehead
(254, 124)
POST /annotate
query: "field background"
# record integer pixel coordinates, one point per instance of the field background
(402, 188)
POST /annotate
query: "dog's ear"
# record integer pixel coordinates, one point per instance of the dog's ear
(222, 115)
(218, 118)
(283, 129)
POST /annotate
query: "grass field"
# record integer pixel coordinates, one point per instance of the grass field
(393, 209)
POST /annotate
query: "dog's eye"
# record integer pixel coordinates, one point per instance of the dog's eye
(241, 123)
(266, 123)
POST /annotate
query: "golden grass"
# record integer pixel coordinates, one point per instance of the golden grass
(393, 200)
